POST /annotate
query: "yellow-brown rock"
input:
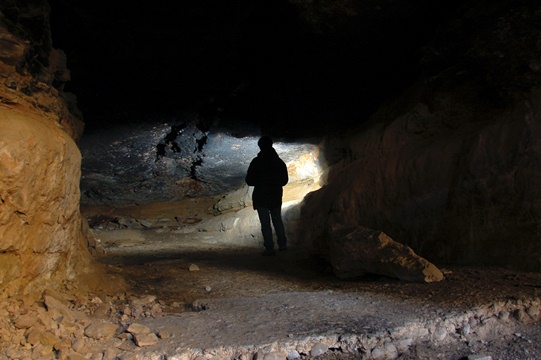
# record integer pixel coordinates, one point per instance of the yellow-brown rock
(41, 241)
(40, 222)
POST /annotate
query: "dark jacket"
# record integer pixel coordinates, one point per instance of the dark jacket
(267, 173)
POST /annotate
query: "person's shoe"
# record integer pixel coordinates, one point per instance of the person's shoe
(269, 252)
(282, 248)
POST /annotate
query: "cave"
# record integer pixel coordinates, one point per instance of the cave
(410, 134)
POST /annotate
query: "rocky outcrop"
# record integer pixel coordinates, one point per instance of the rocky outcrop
(453, 189)
(40, 222)
(452, 167)
(41, 241)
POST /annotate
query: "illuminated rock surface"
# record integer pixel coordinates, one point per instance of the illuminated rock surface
(41, 241)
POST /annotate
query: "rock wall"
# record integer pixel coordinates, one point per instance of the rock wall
(450, 168)
(457, 184)
(41, 241)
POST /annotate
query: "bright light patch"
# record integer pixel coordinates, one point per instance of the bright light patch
(305, 168)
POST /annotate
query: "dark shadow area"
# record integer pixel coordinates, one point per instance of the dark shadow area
(243, 272)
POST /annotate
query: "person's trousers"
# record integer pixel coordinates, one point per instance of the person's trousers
(265, 217)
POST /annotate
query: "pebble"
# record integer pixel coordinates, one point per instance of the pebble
(193, 267)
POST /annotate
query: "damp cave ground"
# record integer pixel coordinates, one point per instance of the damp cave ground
(156, 260)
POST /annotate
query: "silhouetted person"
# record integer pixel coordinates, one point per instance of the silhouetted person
(268, 174)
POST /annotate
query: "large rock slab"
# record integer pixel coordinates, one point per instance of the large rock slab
(355, 252)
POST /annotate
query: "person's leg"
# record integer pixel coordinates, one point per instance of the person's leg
(276, 214)
(266, 230)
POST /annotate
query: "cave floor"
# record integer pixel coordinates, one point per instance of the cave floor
(221, 296)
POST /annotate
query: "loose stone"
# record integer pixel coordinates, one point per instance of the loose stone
(318, 349)
(101, 331)
(193, 267)
(440, 333)
(293, 355)
(145, 339)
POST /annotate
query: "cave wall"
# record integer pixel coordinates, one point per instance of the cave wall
(452, 166)
(41, 232)
(456, 194)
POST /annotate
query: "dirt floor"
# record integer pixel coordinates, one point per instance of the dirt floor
(192, 271)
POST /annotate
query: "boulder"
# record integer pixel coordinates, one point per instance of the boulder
(40, 222)
(41, 239)
(357, 251)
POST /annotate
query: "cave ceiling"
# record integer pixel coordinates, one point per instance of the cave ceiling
(289, 66)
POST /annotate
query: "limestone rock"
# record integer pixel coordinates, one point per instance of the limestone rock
(47, 338)
(54, 304)
(234, 201)
(318, 349)
(41, 170)
(40, 224)
(145, 300)
(145, 339)
(138, 329)
(25, 321)
(356, 251)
